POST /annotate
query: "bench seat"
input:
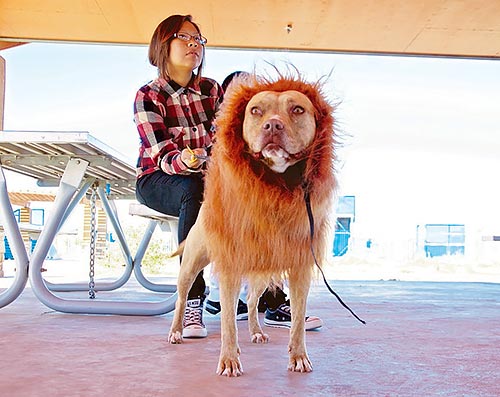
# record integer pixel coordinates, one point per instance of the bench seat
(167, 223)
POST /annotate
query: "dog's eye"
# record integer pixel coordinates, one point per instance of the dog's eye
(298, 110)
(255, 110)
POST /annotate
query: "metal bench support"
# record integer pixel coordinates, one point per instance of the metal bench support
(166, 223)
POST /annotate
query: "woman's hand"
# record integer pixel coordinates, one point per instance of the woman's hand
(194, 158)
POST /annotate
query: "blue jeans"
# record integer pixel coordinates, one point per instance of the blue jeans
(176, 195)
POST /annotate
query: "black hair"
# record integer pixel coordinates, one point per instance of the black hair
(230, 78)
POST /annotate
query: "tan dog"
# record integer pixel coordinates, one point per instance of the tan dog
(274, 141)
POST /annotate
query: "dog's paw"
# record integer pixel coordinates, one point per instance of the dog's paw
(229, 367)
(300, 364)
(175, 337)
(260, 338)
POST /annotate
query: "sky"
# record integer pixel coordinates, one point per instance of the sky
(420, 136)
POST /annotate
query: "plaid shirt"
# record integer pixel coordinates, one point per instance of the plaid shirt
(170, 117)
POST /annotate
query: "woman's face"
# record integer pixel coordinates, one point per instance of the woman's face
(185, 54)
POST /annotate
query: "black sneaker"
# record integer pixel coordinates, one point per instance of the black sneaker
(261, 308)
(213, 307)
(242, 311)
(282, 318)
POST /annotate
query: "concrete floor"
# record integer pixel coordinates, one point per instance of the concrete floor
(421, 339)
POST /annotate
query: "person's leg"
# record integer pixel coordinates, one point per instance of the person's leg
(272, 299)
(213, 301)
(177, 195)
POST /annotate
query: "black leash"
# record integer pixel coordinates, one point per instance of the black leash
(307, 199)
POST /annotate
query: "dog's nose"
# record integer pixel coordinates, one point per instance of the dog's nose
(273, 125)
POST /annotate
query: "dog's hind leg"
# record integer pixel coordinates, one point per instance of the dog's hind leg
(194, 259)
(229, 361)
(299, 283)
(255, 289)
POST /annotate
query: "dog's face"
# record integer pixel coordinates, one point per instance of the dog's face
(279, 127)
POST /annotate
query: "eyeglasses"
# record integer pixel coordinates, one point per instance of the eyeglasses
(186, 37)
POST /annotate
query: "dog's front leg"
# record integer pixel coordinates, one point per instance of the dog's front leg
(299, 283)
(229, 360)
(256, 288)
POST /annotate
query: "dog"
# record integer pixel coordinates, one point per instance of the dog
(274, 150)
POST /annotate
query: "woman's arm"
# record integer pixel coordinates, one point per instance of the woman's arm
(157, 141)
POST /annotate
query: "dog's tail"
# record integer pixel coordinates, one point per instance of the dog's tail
(179, 250)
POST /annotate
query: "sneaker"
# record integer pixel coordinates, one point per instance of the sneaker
(282, 318)
(261, 308)
(213, 307)
(192, 326)
(241, 311)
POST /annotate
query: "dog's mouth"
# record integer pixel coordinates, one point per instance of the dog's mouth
(277, 158)
(273, 150)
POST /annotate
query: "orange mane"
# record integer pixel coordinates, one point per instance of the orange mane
(254, 215)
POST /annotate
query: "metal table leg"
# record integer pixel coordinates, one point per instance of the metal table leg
(70, 181)
(16, 243)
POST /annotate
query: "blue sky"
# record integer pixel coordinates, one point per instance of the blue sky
(422, 138)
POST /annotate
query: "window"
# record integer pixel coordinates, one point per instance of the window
(444, 239)
(37, 217)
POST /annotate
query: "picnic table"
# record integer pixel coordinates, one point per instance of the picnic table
(75, 163)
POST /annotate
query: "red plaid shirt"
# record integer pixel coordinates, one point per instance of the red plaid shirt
(170, 117)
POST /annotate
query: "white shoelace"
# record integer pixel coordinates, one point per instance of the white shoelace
(193, 316)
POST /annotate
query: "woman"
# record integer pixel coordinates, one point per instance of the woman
(174, 115)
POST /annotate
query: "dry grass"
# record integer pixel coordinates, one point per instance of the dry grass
(444, 268)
